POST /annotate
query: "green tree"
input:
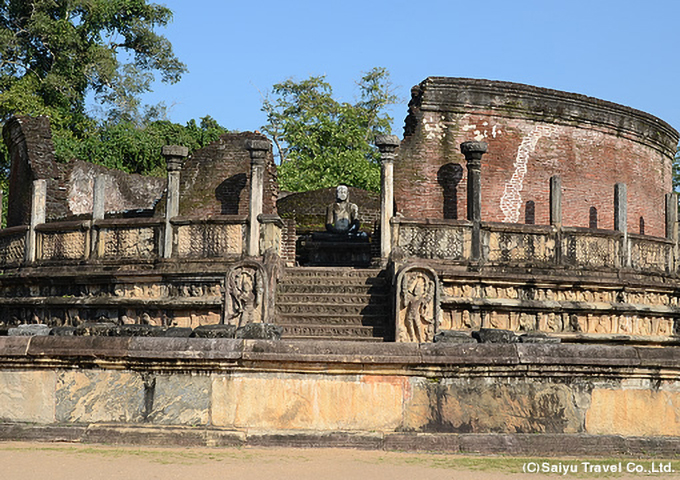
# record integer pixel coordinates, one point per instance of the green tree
(53, 53)
(321, 142)
(132, 148)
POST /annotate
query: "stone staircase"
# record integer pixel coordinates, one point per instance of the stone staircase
(333, 303)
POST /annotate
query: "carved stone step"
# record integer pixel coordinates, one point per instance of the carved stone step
(330, 331)
(326, 309)
(365, 320)
(333, 271)
(333, 276)
(331, 299)
(338, 288)
(335, 339)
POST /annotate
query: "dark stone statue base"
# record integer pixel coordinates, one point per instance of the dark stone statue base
(331, 250)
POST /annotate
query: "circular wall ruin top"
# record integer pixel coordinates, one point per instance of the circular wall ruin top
(542, 104)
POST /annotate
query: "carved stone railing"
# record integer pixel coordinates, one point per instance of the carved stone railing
(581, 247)
(63, 241)
(514, 244)
(533, 245)
(208, 238)
(432, 239)
(13, 245)
(129, 238)
(651, 254)
(134, 239)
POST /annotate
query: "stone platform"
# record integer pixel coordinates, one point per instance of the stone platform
(487, 398)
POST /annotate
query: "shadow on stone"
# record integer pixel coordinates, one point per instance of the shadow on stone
(453, 336)
(215, 331)
(259, 331)
(178, 332)
(495, 335)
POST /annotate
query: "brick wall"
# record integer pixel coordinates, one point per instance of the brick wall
(288, 241)
(215, 180)
(69, 185)
(532, 134)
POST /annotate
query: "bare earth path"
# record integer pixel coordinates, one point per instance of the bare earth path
(40, 461)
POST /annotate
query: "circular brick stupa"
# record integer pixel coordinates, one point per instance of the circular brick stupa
(532, 134)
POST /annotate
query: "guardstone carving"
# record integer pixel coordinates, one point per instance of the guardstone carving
(417, 305)
(245, 294)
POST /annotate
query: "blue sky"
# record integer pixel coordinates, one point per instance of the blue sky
(622, 51)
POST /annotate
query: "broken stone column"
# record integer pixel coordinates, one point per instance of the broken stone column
(258, 151)
(387, 144)
(38, 201)
(174, 158)
(621, 220)
(473, 152)
(556, 201)
(99, 198)
(98, 213)
(672, 224)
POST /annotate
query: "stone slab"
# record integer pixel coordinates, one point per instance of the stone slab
(364, 440)
(659, 357)
(29, 331)
(94, 396)
(481, 404)
(180, 400)
(86, 347)
(331, 351)
(307, 402)
(469, 354)
(144, 435)
(184, 348)
(416, 442)
(573, 354)
(18, 432)
(548, 445)
(14, 346)
(634, 412)
(27, 395)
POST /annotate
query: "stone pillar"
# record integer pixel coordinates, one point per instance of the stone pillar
(473, 152)
(621, 220)
(556, 201)
(38, 202)
(672, 216)
(174, 158)
(387, 144)
(672, 225)
(258, 152)
(99, 198)
(98, 213)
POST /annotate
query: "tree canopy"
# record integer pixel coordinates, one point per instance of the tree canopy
(322, 142)
(57, 56)
(53, 53)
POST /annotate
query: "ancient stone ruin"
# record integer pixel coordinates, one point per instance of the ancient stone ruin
(513, 288)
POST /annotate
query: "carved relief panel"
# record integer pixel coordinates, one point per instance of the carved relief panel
(417, 313)
(245, 286)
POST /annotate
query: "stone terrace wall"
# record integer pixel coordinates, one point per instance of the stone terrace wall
(215, 180)
(508, 398)
(69, 185)
(533, 134)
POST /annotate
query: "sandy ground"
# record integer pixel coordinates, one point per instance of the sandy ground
(29, 461)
